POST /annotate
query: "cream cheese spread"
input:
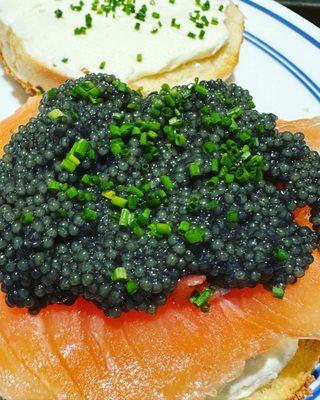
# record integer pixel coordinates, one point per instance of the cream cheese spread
(114, 44)
(259, 371)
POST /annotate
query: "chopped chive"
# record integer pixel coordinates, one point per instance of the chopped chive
(143, 218)
(65, 60)
(155, 15)
(80, 149)
(167, 182)
(180, 140)
(82, 30)
(194, 169)
(68, 165)
(62, 213)
(86, 179)
(213, 182)
(138, 231)
(88, 19)
(194, 235)
(126, 218)
(119, 274)
(139, 57)
(211, 205)
(201, 89)
(191, 35)
(58, 13)
(89, 215)
(27, 218)
(133, 202)
(184, 226)
(102, 65)
(159, 229)
(174, 24)
(136, 191)
(109, 194)
(56, 115)
(106, 185)
(202, 34)
(232, 216)
(131, 286)
(281, 254)
(209, 147)
(221, 7)
(119, 201)
(72, 192)
(278, 292)
(52, 93)
(215, 165)
(200, 299)
(214, 21)
(137, 26)
(54, 185)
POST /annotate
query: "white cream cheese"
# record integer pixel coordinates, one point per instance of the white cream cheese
(114, 40)
(259, 371)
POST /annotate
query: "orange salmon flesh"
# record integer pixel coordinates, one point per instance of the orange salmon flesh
(180, 353)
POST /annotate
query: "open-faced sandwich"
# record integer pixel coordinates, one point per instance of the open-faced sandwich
(144, 43)
(164, 246)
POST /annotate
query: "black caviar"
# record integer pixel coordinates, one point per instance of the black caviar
(115, 197)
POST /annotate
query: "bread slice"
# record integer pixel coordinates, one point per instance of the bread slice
(293, 383)
(32, 74)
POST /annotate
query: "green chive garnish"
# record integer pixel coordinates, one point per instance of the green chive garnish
(194, 168)
(72, 192)
(27, 218)
(56, 115)
(119, 201)
(278, 292)
(232, 216)
(194, 235)
(89, 215)
(131, 286)
(202, 299)
(139, 57)
(126, 217)
(184, 226)
(167, 182)
(58, 13)
(281, 254)
(119, 274)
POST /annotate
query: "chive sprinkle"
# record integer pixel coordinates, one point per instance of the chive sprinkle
(194, 168)
(278, 292)
(56, 115)
(139, 57)
(27, 218)
(194, 235)
(201, 300)
(281, 254)
(119, 274)
(167, 182)
(89, 215)
(58, 13)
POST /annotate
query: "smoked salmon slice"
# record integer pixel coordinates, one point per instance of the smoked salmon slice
(179, 353)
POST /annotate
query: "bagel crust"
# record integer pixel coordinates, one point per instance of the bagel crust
(34, 75)
(293, 383)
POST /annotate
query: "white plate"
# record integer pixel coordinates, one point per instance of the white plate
(279, 64)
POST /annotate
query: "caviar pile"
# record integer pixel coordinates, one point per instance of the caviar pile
(115, 197)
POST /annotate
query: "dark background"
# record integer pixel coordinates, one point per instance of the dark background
(309, 9)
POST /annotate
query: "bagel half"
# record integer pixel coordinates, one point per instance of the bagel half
(34, 75)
